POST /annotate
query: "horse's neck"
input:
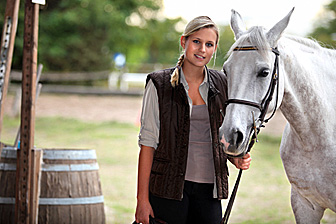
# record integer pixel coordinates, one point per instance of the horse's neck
(310, 97)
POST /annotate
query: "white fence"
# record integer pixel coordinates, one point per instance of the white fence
(126, 81)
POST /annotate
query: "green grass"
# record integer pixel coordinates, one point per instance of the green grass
(264, 192)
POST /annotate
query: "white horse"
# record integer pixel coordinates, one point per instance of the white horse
(306, 96)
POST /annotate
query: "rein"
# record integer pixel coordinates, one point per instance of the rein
(263, 107)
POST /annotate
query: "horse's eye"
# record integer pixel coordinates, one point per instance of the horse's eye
(264, 72)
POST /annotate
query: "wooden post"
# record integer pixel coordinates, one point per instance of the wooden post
(38, 90)
(37, 155)
(7, 46)
(24, 171)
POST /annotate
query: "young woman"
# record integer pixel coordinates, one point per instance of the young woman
(182, 173)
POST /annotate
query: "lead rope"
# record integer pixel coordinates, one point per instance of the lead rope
(225, 219)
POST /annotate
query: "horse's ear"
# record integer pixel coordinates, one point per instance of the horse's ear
(274, 34)
(237, 24)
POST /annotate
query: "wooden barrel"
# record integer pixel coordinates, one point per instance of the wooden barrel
(7, 184)
(70, 189)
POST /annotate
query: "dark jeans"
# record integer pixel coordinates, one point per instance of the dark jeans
(197, 206)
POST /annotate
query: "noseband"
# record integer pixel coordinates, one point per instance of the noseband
(263, 106)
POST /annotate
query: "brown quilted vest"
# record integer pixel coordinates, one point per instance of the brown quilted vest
(170, 157)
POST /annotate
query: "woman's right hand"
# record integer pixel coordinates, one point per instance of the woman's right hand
(143, 211)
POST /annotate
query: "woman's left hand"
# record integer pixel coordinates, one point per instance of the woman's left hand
(243, 162)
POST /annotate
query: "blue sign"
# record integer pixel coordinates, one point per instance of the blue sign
(119, 60)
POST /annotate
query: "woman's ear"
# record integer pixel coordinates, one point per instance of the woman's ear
(183, 41)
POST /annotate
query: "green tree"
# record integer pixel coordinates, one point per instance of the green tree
(225, 42)
(87, 33)
(326, 31)
(160, 45)
(164, 44)
(82, 35)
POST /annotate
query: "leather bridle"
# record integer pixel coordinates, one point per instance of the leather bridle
(263, 106)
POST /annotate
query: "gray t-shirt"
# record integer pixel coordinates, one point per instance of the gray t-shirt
(200, 164)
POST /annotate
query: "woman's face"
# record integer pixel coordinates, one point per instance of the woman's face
(199, 47)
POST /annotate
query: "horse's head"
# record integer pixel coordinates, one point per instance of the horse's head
(250, 71)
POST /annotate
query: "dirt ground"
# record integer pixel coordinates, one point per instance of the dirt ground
(105, 108)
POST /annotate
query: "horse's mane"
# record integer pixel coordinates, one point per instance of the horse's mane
(256, 37)
(312, 43)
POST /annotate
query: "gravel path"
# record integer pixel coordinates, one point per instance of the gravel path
(107, 108)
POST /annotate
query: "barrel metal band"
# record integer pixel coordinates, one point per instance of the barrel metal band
(69, 154)
(70, 167)
(55, 167)
(60, 201)
(11, 153)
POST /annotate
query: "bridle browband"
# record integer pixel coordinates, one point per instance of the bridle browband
(263, 106)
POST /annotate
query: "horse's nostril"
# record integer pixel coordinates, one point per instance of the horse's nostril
(238, 138)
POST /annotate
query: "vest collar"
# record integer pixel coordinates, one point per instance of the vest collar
(212, 89)
(183, 80)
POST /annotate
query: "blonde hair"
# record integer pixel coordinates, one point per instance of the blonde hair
(193, 26)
